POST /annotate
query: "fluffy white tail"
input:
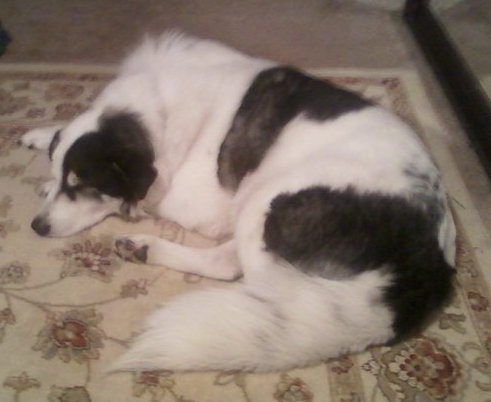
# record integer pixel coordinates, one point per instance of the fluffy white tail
(277, 326)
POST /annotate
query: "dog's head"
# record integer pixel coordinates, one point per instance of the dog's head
(103, 171)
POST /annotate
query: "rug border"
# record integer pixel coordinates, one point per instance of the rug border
(461, 201)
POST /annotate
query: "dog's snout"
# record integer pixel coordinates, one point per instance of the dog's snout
(40, 226)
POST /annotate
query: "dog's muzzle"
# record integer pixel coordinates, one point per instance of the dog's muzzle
(40, 226)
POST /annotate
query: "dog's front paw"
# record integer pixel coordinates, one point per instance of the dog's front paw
(38, 138)
(131, 248)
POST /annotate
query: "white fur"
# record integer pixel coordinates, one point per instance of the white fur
(289, 320)
(39, 138)
(187, 92)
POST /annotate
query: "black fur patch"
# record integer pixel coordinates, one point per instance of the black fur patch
(337, 234)
(116, 160)
(53, 144)
(275, 97)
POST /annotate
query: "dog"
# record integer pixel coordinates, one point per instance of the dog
(327, 205)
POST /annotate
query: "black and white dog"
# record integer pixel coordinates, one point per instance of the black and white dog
(329, 206)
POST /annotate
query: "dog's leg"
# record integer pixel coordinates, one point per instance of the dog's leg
(39, 138)
(218, 262)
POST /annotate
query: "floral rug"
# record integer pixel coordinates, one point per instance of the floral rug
(69, 307)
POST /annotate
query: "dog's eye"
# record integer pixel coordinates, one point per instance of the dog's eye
(71, 192)
(90, 192)
(81, 190)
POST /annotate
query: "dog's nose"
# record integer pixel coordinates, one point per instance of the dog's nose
(40, 226)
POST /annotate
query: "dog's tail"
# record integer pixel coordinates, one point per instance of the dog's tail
(260, 328)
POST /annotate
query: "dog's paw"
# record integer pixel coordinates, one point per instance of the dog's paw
(38, 138)
(132, 248)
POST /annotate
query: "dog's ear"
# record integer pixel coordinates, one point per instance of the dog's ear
(130, 152)
(117, 159)
(130, 176)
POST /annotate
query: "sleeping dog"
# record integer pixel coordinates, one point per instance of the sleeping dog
(327, 204)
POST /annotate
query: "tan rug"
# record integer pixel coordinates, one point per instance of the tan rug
(69, 307)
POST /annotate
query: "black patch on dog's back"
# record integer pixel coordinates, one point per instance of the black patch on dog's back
(117, 160)
(337, 234)
(275, 97)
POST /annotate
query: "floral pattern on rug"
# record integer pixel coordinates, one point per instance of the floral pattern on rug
(422, 366)
(91, 257)
(71, 335)
(69, 307)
